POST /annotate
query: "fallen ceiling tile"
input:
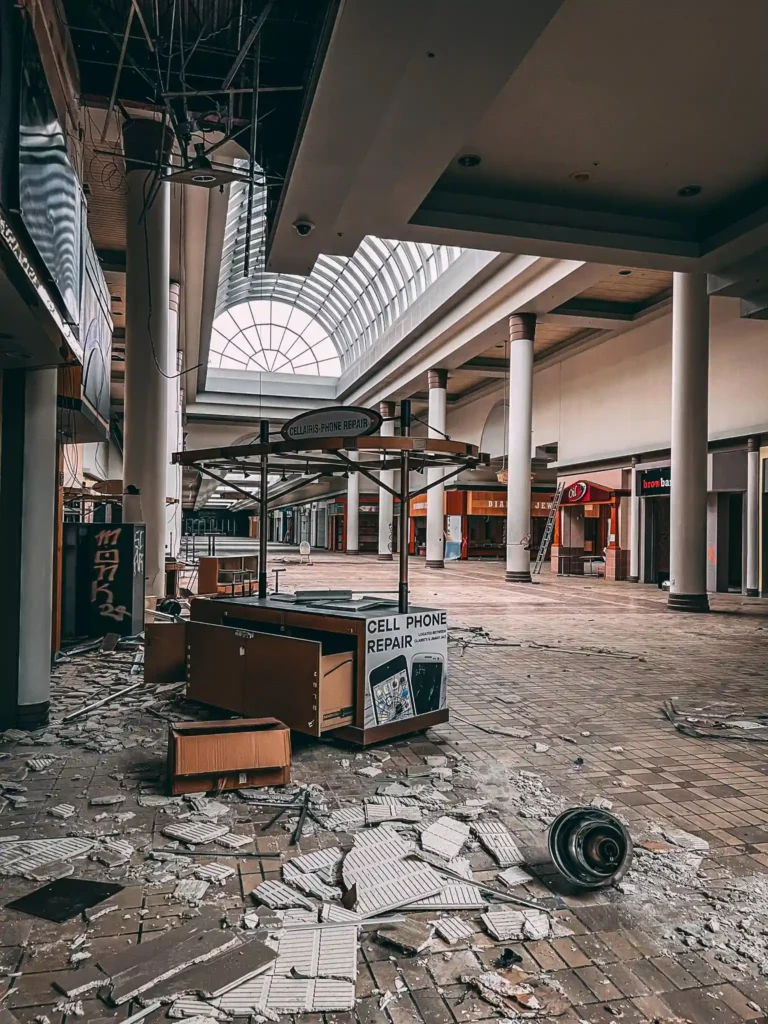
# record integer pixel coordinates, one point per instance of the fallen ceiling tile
(191, 1006)
(278, 896)
(445, 837)
(345, 819)
(74, 984)
(330, 857)
(414, 885)
(453, 896)
(329, 952)
(515, 876)
(411, 935)
(194, 832)
(498, 841)
(191, 890)
(233, 840)
(375, 814)
(453, 929)
(24, 857)
(218, 873)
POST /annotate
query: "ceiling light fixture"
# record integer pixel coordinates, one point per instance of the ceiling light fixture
(625, 273)
(470, 160)
(688, 191)
(580, 176)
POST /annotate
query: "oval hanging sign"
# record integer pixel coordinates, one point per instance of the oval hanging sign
(339, 421)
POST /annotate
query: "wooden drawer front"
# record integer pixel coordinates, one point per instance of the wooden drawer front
(282, 681)
(216, 665)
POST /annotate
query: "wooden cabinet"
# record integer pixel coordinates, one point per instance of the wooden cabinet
(262, 674)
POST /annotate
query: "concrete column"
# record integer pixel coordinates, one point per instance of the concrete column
(27, 523)
(438, 379)
(175, 440)
(353, 510)
(145, 444)
(753, 518)
(386, 501)
(634, 527)
(688, 496)
(522, 327)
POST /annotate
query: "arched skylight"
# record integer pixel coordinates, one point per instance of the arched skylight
(272, 337)
(353, 299)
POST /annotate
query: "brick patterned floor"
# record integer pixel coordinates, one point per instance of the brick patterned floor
(572, 657)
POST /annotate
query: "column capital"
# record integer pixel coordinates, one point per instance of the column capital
(437, 379)
(387, 409)
(522, 325)
(753, 444)
(144, 141)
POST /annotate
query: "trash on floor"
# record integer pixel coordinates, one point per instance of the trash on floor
(230, 754)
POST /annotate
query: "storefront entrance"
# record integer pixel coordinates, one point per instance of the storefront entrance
(656, 560)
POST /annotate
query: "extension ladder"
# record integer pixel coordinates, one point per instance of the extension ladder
(549, 529)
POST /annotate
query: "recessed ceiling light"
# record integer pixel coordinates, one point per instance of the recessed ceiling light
(688, 191)
(470, 160)
(625, 273)
(580, 176)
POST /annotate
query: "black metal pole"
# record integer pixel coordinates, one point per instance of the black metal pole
(263, 513)
(402, 589)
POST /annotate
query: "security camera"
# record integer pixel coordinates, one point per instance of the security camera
(304, 227)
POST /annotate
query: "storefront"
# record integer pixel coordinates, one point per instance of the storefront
(591, 532)
(476, 522)
(653, 487)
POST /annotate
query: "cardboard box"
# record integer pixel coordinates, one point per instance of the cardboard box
(165, 652)
(233, 754)
(337, 700)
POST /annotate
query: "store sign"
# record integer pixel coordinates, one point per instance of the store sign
(369, 508)
(340, 421)
(577, 492)
(651, 482)
(486, 503)
(406, 663)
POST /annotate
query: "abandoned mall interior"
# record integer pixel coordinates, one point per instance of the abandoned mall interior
(384, 511)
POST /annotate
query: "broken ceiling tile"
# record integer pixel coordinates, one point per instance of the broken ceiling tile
(375, 814)
(216, 976)
(193, 1006)
(74, 984)
(370, 771)
(365, 856)
(194, 832)
(445, 837)
(329, 912)
(329, 857)
(498, 841)
(278, 896)
(313, 885)
(317, 953)
(505, 924)
(345, 819)
(218, 873)
(233, 840)
(109, 800)
(514, 876)
(62, 811)
(679, 837)
(453, 896)
(39, 764)
(436, 760)
(452, 929)
(411, 935)
(191, 890)
(413, 884)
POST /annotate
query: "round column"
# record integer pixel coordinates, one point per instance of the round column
(174, 440)
(386, 501)
(522, 327)
(688, 496)
(438, 380)
(145, 434)
(753, 521)
(38, 527)
(353, 510)
(634, 527)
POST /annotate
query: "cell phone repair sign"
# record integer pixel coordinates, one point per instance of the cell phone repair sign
(406, 666)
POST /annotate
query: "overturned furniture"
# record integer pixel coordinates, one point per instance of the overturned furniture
(365, 667)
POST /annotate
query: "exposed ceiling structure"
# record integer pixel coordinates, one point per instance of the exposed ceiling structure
(581, 129)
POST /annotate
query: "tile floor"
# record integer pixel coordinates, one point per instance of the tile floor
(583, 665)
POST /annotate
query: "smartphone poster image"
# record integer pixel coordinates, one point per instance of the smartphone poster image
(427, 676)
(391, 692)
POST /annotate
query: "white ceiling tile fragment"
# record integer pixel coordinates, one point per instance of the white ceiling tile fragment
(498, 841)
(453, 929)
(445, 837)
(195, 832)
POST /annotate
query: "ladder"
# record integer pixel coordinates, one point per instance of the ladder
(549, 529)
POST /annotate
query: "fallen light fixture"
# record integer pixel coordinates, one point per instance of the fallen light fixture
(590, 847)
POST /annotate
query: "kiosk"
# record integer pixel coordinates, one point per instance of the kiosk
(365, 667)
